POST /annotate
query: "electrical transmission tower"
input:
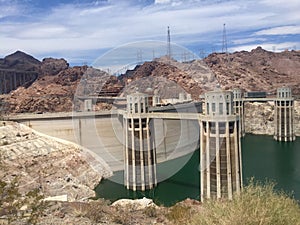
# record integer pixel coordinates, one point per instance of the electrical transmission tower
(169, 44)
(224, 44)
(139, 56)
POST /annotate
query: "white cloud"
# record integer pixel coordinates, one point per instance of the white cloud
(8, 9)
(278, 47)
(247, 40)
(162, 1)
(282, 3)
(279, 30)
(72, 27)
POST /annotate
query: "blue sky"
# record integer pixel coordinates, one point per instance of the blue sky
(81, 31)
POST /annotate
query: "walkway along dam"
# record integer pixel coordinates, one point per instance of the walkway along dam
(136, 139)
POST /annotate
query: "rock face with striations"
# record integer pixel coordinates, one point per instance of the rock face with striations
(259, 118)
(54, 166)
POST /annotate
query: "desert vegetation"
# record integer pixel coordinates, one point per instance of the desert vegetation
(259, 203)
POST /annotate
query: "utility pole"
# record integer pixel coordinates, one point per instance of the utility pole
(139, 55)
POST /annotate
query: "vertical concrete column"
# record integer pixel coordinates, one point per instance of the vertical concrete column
(208, 161)
(238, 107)
(284, 115)
(228, 160)
(218, 162)
(221, 163)
(88, 105)
(181, 97)
(125, 147)
(140, 152)
(202, 159)
(238, 160)
(155, 100)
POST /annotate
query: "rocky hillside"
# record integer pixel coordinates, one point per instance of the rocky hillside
(53, 91)
(50, 93)
(54, 166)
(169, 78)
(257, 70)
(20, 61)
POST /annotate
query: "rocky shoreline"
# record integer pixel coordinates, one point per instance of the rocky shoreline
(54, 166)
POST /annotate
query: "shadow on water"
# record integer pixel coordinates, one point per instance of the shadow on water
(184, 184)
(263, 158)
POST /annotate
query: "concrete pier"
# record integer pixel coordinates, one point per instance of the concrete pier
(284, 115)
(220, 147)
(139, 148)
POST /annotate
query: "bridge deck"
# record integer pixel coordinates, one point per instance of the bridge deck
(61, 115)
(259, 99)
(101, 98)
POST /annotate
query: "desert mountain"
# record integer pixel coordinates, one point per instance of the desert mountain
(257, 70)
(20, 61)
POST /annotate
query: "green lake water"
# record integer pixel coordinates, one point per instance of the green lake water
(263, 159)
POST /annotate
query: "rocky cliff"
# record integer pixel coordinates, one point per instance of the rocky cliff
(54, 166)
(259, 118)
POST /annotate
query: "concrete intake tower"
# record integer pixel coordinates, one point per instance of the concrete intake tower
(284, 115)
(220, 147)
(139, 144)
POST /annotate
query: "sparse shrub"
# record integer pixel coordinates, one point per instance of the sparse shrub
(150, 211)
(179, 214)
(121, 216)
(36, 206)
(80, 209)
(17, 207)
(96, 211)
(12, 202)
(257, 204)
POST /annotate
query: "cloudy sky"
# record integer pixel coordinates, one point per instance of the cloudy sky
(81, 31)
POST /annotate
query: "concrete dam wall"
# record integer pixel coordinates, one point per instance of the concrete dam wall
(104, 136)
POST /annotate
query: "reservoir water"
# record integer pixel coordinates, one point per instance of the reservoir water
(263, 158)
